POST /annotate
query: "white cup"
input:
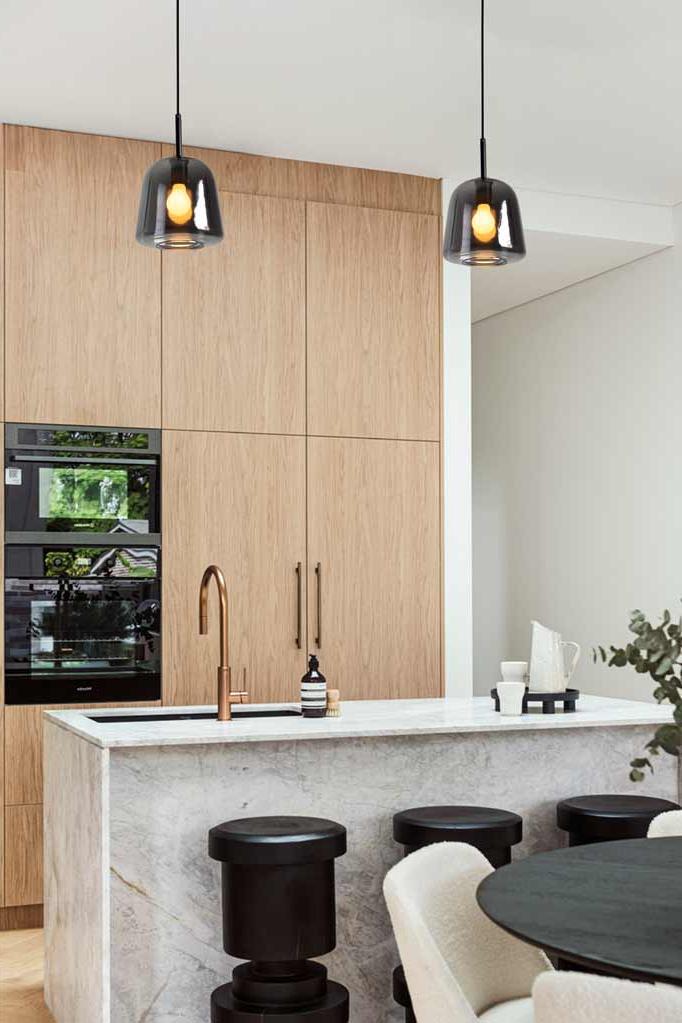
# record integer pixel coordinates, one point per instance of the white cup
(510, 695)
(514, 671)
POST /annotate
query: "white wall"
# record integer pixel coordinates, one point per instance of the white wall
(456, 503)
(577, 444)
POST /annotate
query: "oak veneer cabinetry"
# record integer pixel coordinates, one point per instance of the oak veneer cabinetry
(82, 298)
(2, 291)
(236, 500)
(373, 525)
(23, 795)
(23, 855)
(374, 531)
(319, 182)
(234, 323)
(373, 323)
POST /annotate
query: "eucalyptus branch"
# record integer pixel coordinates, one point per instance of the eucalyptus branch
(656, 651)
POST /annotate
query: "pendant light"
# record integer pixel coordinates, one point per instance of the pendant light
(484, 220)
(179, 206)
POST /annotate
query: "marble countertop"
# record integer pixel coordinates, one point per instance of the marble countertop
(359, 718)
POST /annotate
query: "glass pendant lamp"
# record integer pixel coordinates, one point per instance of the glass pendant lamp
(179, 206)
(483, 226)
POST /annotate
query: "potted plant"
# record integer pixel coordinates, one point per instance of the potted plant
(655, 651)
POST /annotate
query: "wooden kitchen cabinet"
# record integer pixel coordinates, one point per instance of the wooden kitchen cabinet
(374, 530)
(237, 501)
(24, 754)
(234, 323)
(373, 287)
(2, 303)
(24, 747)
(23, 855)
(82, 312)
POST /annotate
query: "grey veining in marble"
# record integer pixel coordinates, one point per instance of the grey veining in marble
(165, 892)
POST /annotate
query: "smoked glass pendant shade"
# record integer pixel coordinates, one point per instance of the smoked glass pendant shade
(179, 207)
(484, 224)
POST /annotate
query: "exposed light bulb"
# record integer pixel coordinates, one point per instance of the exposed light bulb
(483, 223)
(179, 204)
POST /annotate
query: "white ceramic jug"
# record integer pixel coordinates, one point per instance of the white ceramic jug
(549, 672)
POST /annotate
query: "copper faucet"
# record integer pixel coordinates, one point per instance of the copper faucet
(225, 696)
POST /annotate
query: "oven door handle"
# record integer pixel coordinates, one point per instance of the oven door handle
(85, 461)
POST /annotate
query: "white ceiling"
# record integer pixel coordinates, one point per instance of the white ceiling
(553, 262)
(584, 95)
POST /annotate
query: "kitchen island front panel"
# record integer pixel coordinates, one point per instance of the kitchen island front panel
(163, 955)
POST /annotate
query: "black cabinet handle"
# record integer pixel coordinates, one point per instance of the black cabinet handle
(299, 604)
(318, 573)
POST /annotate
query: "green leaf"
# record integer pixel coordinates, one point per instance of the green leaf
(669, 738)
(636, 775)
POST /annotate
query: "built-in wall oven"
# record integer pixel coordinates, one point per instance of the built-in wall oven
(82, 565)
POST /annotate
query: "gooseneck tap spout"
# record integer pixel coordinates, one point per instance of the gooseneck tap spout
(225, 696)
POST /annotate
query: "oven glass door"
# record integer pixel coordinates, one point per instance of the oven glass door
(89, 495)
(86, 628)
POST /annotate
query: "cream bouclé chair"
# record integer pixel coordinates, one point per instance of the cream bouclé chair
(666, 825)
(460, 967)
(583, 998)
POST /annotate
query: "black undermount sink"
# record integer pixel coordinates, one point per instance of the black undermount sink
(237, 712)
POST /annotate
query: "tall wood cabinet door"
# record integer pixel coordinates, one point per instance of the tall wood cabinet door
(373, 323)
(2, 279)
(234, 323)
(83, 324)
(374, 579)
(236, 501)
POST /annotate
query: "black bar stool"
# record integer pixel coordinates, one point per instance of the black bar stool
(606, 818)
(278, 910)
(491, 831)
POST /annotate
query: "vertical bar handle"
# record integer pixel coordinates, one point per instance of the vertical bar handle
(318, 573)
(299, 608)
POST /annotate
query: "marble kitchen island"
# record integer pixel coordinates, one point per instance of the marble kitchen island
(132, 900)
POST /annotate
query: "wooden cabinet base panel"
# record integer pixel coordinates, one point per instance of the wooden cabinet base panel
(24, 748)
(23, 855)
(20, 918)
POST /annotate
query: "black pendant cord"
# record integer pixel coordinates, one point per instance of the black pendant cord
(482, 139)
(178, 116)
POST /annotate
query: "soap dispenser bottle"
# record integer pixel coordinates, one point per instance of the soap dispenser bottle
(313, 691)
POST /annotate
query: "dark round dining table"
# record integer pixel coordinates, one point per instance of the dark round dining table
(614, 906)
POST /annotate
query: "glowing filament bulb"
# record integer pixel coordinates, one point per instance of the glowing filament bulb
(179, 204)
(483, 223)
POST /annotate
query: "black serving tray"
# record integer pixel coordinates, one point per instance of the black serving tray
(548, 701)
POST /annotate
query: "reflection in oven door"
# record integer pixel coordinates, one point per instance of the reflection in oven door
(85, 637)
(63, 482)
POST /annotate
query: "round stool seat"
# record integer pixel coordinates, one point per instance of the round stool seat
(609, 818)
(482, 826)
(276, 841)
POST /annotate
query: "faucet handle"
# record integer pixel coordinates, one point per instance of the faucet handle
(240, 695)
